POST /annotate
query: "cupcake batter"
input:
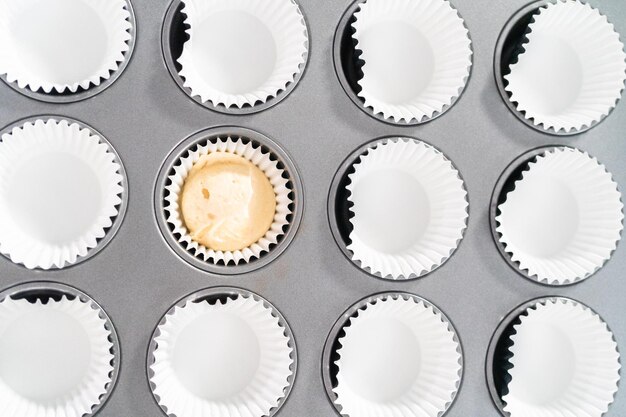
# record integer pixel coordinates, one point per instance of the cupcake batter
(227, 202)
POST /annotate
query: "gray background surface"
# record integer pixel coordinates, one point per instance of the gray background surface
(137, 277)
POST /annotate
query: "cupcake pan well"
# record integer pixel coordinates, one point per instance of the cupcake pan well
(119, 56)
(587, 353)
(362, 230)
(361, 343)
(84, 158)
(75, 317)
(556, 259)
(137, 277)
(516, 36)
(175, 34)
(254, 338)
(349, 60)
(266, 155)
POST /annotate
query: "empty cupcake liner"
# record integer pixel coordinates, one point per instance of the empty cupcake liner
(572, 70)
(262, 160)
(60, 188)
(232, 359)
(563, 219)
(564, 361)
(62, 45)
(409, 208)
(417, 57)
(57, 359)
(398, 357)
(242, 52)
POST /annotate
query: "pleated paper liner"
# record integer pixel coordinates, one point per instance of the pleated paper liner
(60, 352)
(64, 50)
(222, 351)
(560, 66)
(398, 208)
(63, 192)
(554, 357)
(392, 354)
(269, 158)
(559, 217)
(235, 71)
(385, 55)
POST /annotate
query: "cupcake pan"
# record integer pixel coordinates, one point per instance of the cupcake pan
(138, 277)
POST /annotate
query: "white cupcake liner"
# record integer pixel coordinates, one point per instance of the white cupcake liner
(262, 160)
(60, 188)
(220, 377)
(563, 220)
(564, 363)
(243, 29)
(62, 45)
(398, 358)
(410, 209)
(417, 57)
(572, 70)
(57, 358)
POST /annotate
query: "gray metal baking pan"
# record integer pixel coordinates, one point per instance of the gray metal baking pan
(136, 278)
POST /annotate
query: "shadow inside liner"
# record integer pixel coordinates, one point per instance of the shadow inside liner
(177, 35)
(512, 47)
(213, 299)
(509, 184)
(336, 345)
(351, 62)
(342, 211)
(510, 50)
(334, 357)
(42, 295)
(501, 359)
